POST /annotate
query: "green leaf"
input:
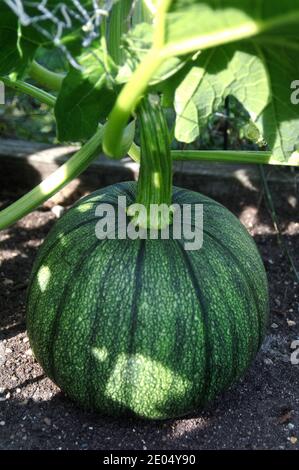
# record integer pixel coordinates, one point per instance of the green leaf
(67, 26)
(279, 122)
(86, 97)
(18, 44)
(217, 73)
(223, 21)
(258, 70)
(137, 44)
(118, 24)
(242, 29)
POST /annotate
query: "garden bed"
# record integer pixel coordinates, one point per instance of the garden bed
(261, 411)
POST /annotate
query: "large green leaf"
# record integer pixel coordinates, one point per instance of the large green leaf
(196, 24)
(279, 122)
(86, 97)
(17, 44)
(258, 70)
(136, 45)
(217, 73)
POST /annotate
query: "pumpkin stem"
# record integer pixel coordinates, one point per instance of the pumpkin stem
(154, 190)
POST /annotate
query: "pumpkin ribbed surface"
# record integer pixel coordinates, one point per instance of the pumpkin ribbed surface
(144, 326)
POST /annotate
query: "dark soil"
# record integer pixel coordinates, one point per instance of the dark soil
(260, 412)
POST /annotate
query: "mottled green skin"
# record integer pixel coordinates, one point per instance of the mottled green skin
(145, 327)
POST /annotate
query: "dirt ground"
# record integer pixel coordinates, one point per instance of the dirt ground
(260, 412)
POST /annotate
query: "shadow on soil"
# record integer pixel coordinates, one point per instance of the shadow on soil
(254, 414)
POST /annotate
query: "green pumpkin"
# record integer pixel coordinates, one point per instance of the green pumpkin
(145, 327)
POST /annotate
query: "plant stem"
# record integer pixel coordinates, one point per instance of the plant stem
(226, 124)
(57, 180)
(50, 100)
(160, 19)
(23, 87)
(155, 176)
(231, 156)
(118, 24)
(131, 93)
(45, 77)
(126, 103)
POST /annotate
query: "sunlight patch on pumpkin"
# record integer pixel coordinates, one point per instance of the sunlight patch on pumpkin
(145, 385)
(100, 354)
(43, 277)
(84, 207)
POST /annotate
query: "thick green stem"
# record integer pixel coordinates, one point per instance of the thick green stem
(23, 87)
(126, 103)
(155, 176)
(228, 156)
(118, 24)
(45, 77)
(231, 156)
(57, 180)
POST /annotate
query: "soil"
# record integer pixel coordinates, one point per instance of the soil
(260, 412)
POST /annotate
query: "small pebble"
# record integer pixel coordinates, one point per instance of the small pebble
(274, 325)
(2, 423)
(291, 323)
(268, 361)
(58, 211)
(47, 421)
(28, 352)
(7, 282)
(25, 340)
(293, 440)
(291, 426)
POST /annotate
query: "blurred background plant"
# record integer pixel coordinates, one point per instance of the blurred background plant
(24, 117)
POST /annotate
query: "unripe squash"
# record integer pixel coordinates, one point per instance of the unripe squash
(145, 327)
